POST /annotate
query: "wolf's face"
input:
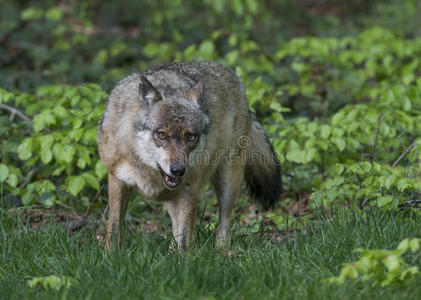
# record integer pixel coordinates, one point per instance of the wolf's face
(172, 128)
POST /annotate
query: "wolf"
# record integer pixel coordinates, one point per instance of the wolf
(169, 130)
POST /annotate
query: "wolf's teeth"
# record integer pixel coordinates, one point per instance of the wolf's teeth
(171, 181)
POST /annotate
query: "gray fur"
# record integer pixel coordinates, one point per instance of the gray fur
(162, 116)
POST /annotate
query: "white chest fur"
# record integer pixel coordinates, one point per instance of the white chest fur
(147, 184)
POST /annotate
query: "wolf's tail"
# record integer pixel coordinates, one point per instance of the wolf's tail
(262, 172)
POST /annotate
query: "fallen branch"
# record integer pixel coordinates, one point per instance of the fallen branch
(404, 153)
(15, 111)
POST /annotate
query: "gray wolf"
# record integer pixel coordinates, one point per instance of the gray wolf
(171, 129)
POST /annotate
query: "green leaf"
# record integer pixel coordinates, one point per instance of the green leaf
(298, 156)
(54, 14)
(337, 118)
(12, 180)
(298, 67)
(100, 169)
(403, 184)
(339, 169)
(414, 244)
(382, 201)
(43, 119)
(310, 154)
(68, 153)
(340, 143)
(151, 49)
(84, 155)
(81, 163)
(276, 106)
(389, 181)
(46, 141)
(403, 245)
(60, 111)
(33, 190)
(31, 13)
(58, 151)
(4, 172)
(252, 5)
(49, 202)
(232, 57)
(349, 272)
(25, 149)
(28, 198)
(51, 282)
(77, 123)
(101, 57)
(325, 131)
(293, 145)
(207, 49)
(75, 184)
(233, 40)
(355, 169)
(58, 171)
(48, 199)
(91, 180)
(237, 6)
(46, 156)
(366, 166)
(392, 263)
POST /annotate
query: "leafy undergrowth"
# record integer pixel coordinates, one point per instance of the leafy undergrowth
(382, 267)
(344, 118)
(256, 267)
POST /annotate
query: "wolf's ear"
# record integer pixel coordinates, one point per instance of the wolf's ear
(147, 91)
(195, 93)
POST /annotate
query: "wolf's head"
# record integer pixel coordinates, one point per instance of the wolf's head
(171, 126)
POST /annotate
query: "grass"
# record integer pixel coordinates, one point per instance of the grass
(256, 269)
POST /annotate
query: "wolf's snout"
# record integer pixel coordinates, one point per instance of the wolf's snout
(177, 170)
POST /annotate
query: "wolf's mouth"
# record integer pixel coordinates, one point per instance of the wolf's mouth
(170, 182)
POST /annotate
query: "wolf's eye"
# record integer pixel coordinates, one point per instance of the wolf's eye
(161, 135)
(191, 137)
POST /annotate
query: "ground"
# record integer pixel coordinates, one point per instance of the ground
(256, 266)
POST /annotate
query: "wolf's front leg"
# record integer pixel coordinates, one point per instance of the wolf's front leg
(118, 198)
(182, 212)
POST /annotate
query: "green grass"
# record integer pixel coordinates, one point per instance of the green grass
(257, 269)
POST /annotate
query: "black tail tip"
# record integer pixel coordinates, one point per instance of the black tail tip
(265, 189)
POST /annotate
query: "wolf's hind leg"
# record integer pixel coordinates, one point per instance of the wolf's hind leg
(226, 182)
(182, 212)
(118, 199)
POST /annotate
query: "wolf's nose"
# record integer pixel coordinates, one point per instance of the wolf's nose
(177, 170)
